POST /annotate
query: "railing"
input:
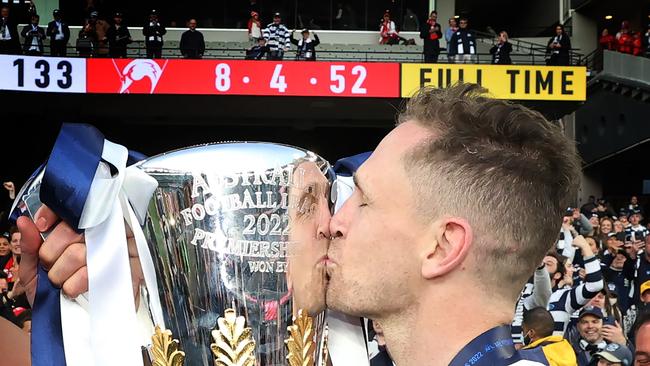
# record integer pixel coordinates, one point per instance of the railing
(593, 61)
(402, 54)
(535, 50)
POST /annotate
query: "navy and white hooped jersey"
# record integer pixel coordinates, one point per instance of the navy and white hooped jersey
(565, 302)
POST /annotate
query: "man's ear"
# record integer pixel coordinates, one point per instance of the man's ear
(453, 239)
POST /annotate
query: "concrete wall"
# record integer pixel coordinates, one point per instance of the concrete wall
(585, 33)
(45, 9)
(625, 66)
(589, 186)
(241, 35)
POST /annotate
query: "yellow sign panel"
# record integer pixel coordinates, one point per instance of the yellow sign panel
(516, 82)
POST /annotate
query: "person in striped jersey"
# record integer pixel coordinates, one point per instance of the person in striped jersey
(567, 299)
(636, 231)
(536, 293)
(277, 38)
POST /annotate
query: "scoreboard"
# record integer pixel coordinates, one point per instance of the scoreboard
(282, 78)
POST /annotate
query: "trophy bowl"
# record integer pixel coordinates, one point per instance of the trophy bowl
(239, 230)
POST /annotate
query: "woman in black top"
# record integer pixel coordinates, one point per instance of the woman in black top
(558, 48)
(501, 51)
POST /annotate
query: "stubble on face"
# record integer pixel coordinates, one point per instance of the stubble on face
(373, 263)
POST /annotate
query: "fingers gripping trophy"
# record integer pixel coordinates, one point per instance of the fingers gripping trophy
(230, 242)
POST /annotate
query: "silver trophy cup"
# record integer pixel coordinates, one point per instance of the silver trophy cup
(238, 228)
(238, 237)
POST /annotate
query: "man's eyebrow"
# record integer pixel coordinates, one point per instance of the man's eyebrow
(355, 179)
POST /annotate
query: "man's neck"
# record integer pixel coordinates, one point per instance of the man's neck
(433, 333)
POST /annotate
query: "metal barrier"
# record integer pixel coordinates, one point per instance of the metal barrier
(532, 56)
(535, 50)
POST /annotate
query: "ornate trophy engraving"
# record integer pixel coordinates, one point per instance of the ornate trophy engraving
(235, 231)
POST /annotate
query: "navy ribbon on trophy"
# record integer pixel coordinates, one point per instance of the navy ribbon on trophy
(86, 183)
(64, 188)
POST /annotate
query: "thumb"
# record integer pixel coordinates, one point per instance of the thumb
(30, 243)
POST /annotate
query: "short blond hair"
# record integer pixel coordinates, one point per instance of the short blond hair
(500, 165)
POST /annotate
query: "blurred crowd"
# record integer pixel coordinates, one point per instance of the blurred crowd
(14, 305)
(587, 300)
(102, 36)
(591, 288)
(626, 40)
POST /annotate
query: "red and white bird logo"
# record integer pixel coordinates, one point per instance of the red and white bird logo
(137, 70)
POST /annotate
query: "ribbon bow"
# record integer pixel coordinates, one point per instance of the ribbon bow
(87, 183)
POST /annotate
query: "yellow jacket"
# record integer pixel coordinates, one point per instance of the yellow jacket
(557, 350)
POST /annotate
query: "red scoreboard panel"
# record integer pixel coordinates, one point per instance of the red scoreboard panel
(237, 77)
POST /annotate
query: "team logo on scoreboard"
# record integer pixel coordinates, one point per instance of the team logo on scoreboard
(137, 70)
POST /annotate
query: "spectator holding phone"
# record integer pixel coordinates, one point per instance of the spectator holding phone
(614, 269)
(34, 36)
(558, 48)
(59, 34)
(595, 336)
(501, 50)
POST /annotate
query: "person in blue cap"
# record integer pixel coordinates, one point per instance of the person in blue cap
(614, 355)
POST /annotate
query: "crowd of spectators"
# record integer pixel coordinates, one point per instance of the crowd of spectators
(462, 47)
(593, 286)
(588, 302)
(14, 305)
(100, 37)
(627, 40)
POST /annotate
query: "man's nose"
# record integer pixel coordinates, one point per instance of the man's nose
(337, 229)
(324, 218)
